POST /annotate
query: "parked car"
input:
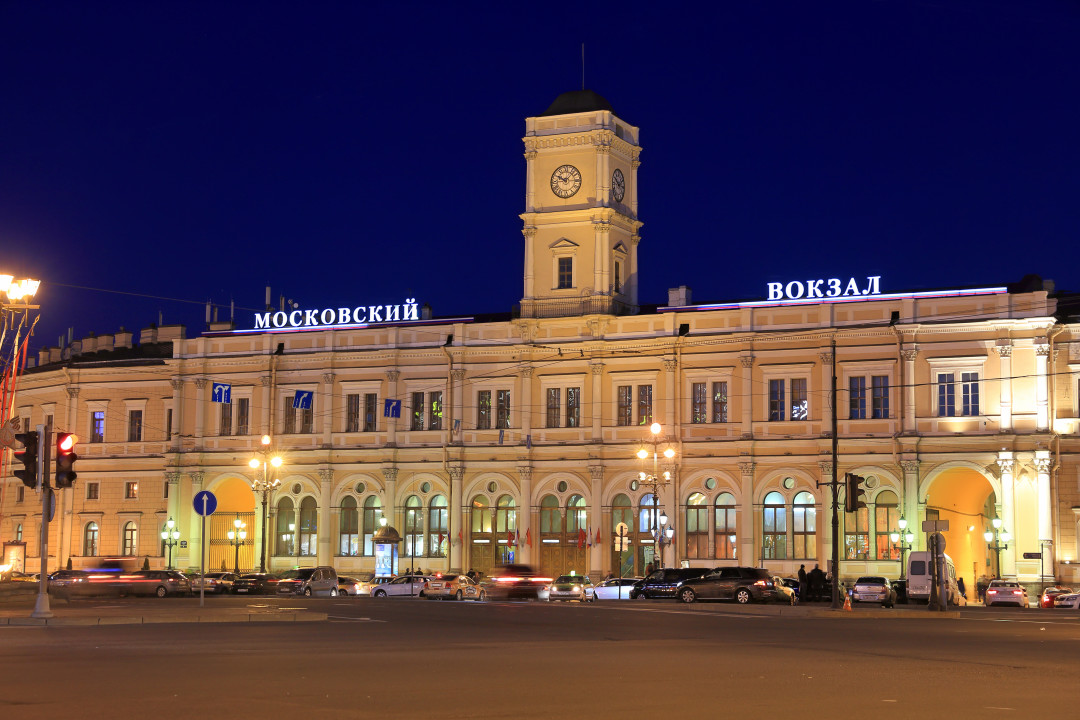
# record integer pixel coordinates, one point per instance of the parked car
(516, 582)
(403, 585)
(787, 590)
(156, 582)
(571, 587)
(1046, 599)
(16, 576)
(1069, 601)
(1006, 592)
(317, 581)
(874, 588)
(366, 586)
(255, 584)
(215, 582)
(615, 589)
(65, 583)
(741, 584)
(454, 587)
(348, 586)
(663, 583)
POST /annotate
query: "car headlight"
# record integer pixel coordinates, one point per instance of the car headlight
(577, 588)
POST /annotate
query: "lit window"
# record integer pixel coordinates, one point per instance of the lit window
(97, 426)
(483, 410)
(131, 490)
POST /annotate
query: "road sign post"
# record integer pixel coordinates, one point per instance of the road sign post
(621, 543)
(41, 605)
(205, 503)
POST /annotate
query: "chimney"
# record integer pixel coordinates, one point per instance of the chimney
(148, 335)
(105, 343)
(678, 296)
(122, 339)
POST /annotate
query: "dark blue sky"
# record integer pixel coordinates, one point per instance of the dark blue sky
(353, 155)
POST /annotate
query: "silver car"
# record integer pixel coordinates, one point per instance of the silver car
(615, 589)
(309, 581)
(873, 588)
(407, 585)
(1006, 592)
(571, 587)
(454, 587)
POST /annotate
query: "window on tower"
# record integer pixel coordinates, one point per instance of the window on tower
(566, 273)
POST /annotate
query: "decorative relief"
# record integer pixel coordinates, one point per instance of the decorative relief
(1042, 350)
(73, 392)
(597, 472)
(328, 378)
(529, 232)
(1004, 350)
(457, 473)
(602, 227)
(172, 477)
(826, 358)
(671, 364)
(527, 372)
(393, 375)
(1042, 465)
(910, 467)
(1006, 465)
(457, 374)
(389, 474)
(524, 472)
(909, 354)
(197, 477)
(264, 380)
(326, 475)
(530, 155)
(747, 361)
(747, 469)
(597, 368)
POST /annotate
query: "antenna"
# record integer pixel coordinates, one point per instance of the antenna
(582, 66)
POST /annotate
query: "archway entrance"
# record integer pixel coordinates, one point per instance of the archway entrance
(236, 502)
(965, 498)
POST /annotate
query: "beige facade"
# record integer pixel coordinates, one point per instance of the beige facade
(520, 434)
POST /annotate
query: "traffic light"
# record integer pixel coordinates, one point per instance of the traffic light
(65, 459)
(855, 494)
(28, 456)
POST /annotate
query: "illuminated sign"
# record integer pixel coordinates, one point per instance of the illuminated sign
(337, 317)
(830, 288)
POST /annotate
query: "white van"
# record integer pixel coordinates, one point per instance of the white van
(919, 574)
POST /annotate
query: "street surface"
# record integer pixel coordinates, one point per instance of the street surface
(404, 657)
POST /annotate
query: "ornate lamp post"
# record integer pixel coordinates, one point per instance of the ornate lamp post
(237, 537)
(657, 480)
(264, 486)
(171, 536)
(904, 538)
(997, 540)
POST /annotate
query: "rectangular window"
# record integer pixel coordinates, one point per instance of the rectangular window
(573, 407)
(352, 413)
(135, 426)
(502, 409)
(20, 493)
(946, 386)
(371, 407)
(644, 416)
(97, 426)
(566, 273)
(776, 400)
(887, 517)
(168, 424)
(617, 285)
(225, 426)
(970, 393)
(699, 403)
(857, 398)
(879, 407)
(857, 535)
(165, 491)
(719, 402)
(626, 407)
(435, 401)
(483, 410)
(290, 420)
(417, 422)
(243, 413)
(799, 407)
(554, 407)
(307, 420)
(91, 491)
(131, 490)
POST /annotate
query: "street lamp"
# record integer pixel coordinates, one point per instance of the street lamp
(170, 535)
(656, 481)
(263, 486)
(237, 537)
(904, 538)
(997, 540)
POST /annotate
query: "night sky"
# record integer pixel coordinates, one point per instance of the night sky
(361, 153)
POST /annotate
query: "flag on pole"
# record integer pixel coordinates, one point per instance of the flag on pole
(597, 536)
(439, 547)
(581, 538)
(459, 538)
(588, 536)
(509, 538)
(528, 537)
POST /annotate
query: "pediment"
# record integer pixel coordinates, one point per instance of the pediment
(620, 248)
(563, 243)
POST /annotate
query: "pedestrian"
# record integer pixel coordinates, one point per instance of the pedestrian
(961, 588)
(817, 583)
(980, 587)
(802, 583)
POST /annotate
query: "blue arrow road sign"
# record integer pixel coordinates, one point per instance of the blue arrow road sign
(222, 393)
(392, 408)
(205, 502)
(302, 400)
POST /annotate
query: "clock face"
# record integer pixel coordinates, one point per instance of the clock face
(565, 181)
(618, 185)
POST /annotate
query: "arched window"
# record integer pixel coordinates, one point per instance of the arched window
(577, 515)
(286, 528)
(481, 515)
(887, 514)
(438, 540)
(857, 534)
(505, 516)
(774, 528)
(18, 533)
(697, 527)
(648, 511)
(414, 527)
(804, 530)
(550, 517)
(130, 538)
(372, 513)
(349, 530)
(621, 512)
(726, 534)
(309, 527)
(90, 540)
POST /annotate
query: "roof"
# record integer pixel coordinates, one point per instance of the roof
(577, 101)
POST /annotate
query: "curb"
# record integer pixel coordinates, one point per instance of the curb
(160, 619)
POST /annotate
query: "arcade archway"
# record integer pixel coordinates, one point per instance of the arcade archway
(966, 498)
(236, 501)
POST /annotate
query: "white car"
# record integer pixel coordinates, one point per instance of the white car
(874, 588)
(1070, 601)
(1006, 592)
(615, 589)
(571, 587)
(454, 587)
(407, 585)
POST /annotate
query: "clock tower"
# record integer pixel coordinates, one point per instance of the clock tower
(581, 226)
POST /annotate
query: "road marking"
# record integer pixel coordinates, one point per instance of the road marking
(352, 619)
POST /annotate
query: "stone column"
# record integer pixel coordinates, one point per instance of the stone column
(326, 515)
(200, 410)
(390, 498)
(392, 394)
(596, 403)
(267, 405)
(748, 394)
(909, 355)
(909, 504)
(524, 518)
(745, 523)
(1042, 406)
(457, 518)
(670, 421)
(457, 392)
(827, 370)
(530, 181)
(526, 402)
(194, 533)
(177, 430)
(824, 518)
(1007, 510)
(596, 519)
(1005, 385)
(530, 264)
(330, 412)
(1042, 469)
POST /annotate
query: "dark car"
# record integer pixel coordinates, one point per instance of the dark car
(515, 582)
(156, 582)
(255, 584)
(315, 581)
(741, 584)
(663, 582)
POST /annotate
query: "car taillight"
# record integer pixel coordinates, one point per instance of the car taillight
(763, 583)
(991, 592)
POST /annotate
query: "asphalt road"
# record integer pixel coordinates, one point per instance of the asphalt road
(417, 658)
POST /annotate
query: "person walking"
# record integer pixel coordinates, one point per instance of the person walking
(961, 588)
(803, 587)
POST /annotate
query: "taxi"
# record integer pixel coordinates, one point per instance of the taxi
(571, 587)
(454, 587)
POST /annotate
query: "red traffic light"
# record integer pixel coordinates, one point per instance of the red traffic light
(65, 459)
(65, 442)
